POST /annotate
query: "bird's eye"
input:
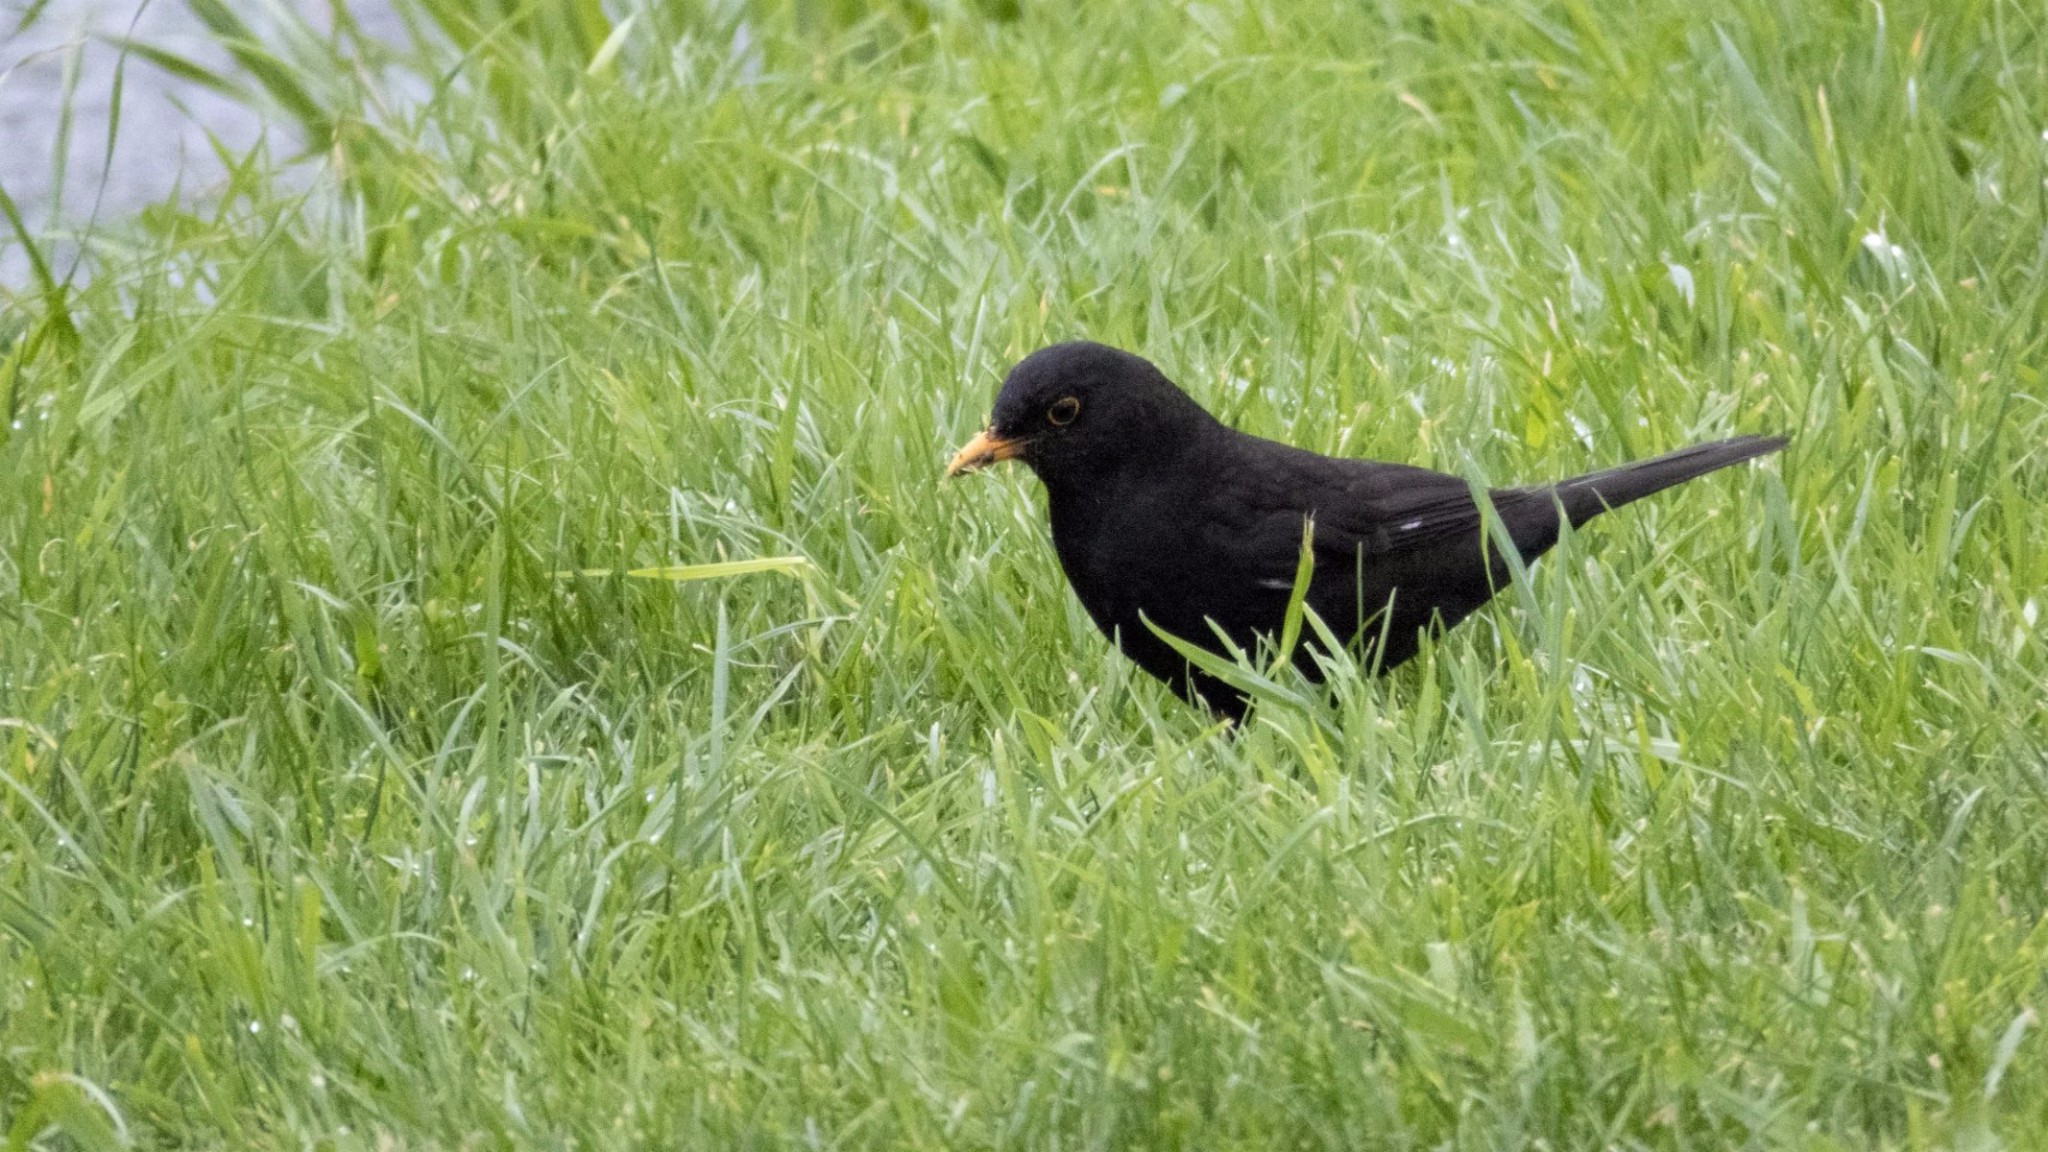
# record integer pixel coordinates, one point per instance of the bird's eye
(1063, 411)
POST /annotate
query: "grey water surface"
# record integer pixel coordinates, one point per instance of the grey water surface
(58, 62)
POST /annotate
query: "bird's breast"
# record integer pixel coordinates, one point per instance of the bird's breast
(1129, 550)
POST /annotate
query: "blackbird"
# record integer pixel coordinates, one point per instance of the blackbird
(1163, 514)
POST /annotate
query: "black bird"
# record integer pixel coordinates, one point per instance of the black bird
(1161, 511)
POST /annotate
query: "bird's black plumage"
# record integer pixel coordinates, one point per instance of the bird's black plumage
(1162, 513)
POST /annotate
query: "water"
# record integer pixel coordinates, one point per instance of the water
(162, 150)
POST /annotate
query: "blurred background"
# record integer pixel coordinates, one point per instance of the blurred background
(110, 105)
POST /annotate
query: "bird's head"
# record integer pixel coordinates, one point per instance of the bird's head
(1081, 411)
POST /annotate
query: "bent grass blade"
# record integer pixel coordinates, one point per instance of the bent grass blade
(678, 573)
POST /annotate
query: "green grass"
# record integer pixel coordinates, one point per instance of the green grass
(334, 814)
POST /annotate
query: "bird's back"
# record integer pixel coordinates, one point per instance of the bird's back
(1215, 544)
(1398, 550)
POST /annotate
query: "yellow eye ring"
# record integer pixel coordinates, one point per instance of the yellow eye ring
(1063, 411)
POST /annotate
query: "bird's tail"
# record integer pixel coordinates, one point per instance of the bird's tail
(1587, 496)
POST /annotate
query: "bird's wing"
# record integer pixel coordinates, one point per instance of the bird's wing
(1366, 508)
(1383, 534)
(1390, 508)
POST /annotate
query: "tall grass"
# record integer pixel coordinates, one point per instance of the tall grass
(339, 811)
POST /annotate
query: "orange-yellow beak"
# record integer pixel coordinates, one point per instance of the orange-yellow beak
(985, 449)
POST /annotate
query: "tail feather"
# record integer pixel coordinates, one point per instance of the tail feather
(1587, 496)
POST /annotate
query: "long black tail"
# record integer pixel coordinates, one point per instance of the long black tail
(1587, 496)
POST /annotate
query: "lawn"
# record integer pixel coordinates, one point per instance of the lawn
(347, 802)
